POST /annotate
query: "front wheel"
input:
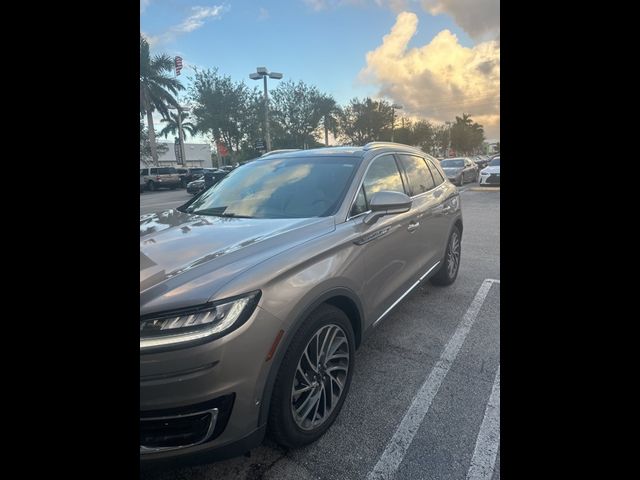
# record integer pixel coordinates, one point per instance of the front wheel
(314, 378)
(449, 269)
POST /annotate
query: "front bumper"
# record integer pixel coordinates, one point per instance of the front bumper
(491, 179)
(201, 402)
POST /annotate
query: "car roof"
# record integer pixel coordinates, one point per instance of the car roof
(347, 150)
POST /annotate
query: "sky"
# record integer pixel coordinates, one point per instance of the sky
(437, 58)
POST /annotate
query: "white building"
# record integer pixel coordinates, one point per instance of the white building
(197, 155)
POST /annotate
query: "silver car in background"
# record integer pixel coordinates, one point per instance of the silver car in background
(460, 170)
(255, 295)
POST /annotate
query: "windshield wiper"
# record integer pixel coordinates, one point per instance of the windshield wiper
(215, 212)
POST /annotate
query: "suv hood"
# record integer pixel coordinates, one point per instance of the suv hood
(207, 252)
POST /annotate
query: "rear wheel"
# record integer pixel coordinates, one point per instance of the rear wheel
(449, 269)
(151, 186)
(314, 378)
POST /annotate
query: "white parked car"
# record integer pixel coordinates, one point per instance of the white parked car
(490, 175)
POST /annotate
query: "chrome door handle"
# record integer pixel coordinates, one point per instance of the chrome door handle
(413, 226)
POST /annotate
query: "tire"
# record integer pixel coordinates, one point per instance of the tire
(445, 275)
(151, 186)
(283, 425)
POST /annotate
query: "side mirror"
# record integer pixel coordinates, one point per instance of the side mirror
(387, 203)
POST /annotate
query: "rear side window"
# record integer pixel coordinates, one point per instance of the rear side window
(142, 172)
(437, 176)
(154, 171)
(420, 179)
(166, 170)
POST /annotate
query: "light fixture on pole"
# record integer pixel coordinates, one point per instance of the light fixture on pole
(394, 107)
(261, 72)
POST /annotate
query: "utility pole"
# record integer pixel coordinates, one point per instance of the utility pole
(261, 72)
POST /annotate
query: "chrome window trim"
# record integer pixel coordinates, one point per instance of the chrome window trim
(405, 293)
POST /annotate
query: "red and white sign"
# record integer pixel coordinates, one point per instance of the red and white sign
(178, 61)
(222, 149)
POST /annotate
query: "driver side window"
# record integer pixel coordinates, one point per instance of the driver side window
(383, 174)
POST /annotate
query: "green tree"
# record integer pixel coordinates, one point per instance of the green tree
(224, 109)
(171, 127)
(466, 135)
(330, 112)
(423, 135)
(296, 113)
(157, 89)
(366, 120)
(145, 145)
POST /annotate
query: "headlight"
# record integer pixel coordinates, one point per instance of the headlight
(204, 323)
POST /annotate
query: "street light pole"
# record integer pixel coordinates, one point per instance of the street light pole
(261, 72)
(266, 114)
(393, 116)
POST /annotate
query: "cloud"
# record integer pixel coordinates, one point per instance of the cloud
(438, 80)
(199, 16)
(316, 5)
(263, 14)
(144, 4)
(479, 18)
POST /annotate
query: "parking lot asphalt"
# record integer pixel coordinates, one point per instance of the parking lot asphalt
(424, 402)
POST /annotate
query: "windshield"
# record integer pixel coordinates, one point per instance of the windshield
(280, 188)
(457, 162)
(495, 162)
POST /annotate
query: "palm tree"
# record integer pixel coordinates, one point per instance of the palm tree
(330, 111)
(171, 126)
(157, 89)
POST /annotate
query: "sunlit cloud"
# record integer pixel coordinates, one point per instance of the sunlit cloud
(199, 16)
(438, 80)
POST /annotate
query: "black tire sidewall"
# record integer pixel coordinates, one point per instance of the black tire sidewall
(282, 426)
(443, 277)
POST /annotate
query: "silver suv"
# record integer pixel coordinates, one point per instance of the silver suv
(160, 177)
(255, 295)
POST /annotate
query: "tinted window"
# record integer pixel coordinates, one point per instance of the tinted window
(454, 163)
(142, 172)
(166, 170)
(420, 179)
(296, 187)
(383, 174)
(360, 205)
(437, 176)
(153, 171)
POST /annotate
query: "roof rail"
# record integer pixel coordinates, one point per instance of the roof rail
(371, 145)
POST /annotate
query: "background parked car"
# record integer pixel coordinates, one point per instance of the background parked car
(460, 170)
(481, 160)
(143, 184)
(189, 174)
(205, 181)
(491, 174)
(160, 177)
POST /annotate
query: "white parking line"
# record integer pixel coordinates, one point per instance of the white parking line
(399, 444)
(488, 441)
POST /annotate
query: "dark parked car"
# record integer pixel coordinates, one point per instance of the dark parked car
(189, 174)
(460, 170)
(255, 295)
(205, 181)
